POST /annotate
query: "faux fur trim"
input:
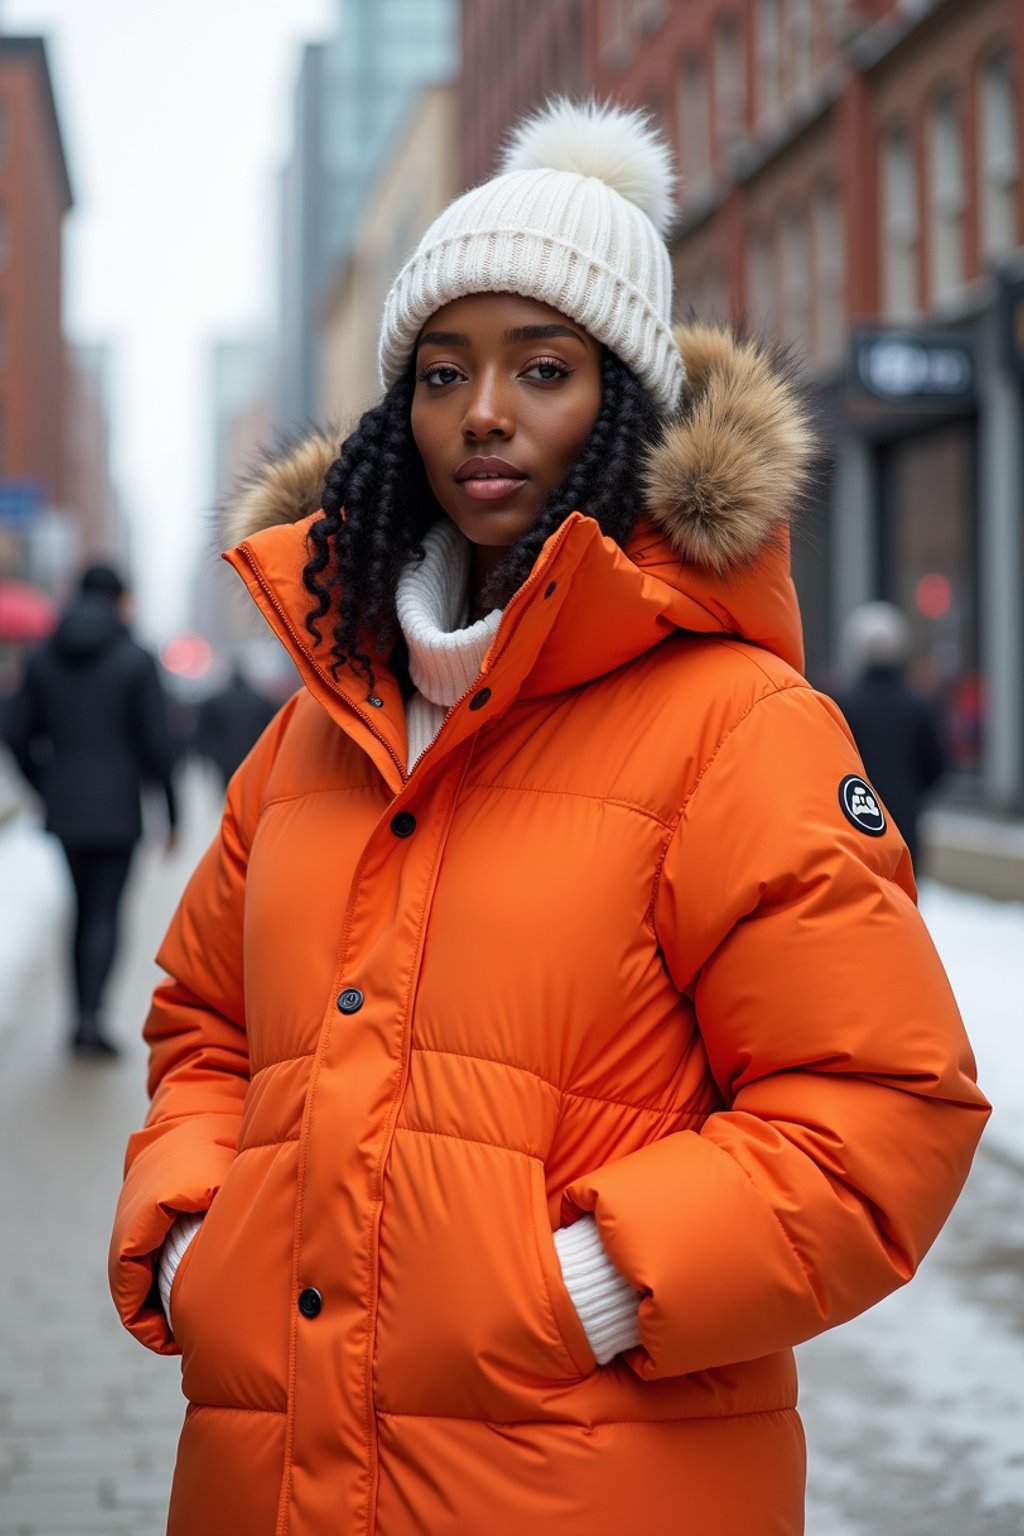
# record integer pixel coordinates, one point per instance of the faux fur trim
(721, 482)
(284, 487)
(729, 470)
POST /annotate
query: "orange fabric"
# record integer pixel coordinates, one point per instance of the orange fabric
(633, 959)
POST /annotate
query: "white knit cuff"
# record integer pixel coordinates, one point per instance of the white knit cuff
(175, 1243)
(607, 1304)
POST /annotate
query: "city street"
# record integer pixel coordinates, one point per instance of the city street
(914, 1414)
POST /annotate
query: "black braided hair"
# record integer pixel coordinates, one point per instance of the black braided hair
(379, 480)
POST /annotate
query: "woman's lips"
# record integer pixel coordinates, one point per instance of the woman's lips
(489, 479)
(493, 488)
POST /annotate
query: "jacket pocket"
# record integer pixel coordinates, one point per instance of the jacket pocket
(174, 1303)
(566, 1317)
(473, 1318)
(230, 1299)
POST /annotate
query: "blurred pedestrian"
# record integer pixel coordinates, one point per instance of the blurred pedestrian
(88, 728)
(550, 1035)
(895, 727)
(230, 722)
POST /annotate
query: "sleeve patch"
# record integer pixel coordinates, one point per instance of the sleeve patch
(861, 806)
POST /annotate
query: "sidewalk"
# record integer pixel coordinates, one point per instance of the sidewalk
(88, 1419)
(913, 1412)
(35, 897)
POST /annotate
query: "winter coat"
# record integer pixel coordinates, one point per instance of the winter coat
(89, 728)
(897, 735)
(614, 946)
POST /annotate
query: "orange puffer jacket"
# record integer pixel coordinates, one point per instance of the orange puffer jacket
(614, 946)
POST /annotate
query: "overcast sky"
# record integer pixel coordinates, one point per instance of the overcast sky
(176, 118)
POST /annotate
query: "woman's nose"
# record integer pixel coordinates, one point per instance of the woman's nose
(488, 411)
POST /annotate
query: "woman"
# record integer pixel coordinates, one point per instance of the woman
(549, 1038)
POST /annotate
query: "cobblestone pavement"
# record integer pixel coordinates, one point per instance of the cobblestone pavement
(914, 1413)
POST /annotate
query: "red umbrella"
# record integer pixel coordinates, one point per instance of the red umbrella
(26, 612)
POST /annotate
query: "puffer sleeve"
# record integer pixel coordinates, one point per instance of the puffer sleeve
(851, 1111)
(199, 1059)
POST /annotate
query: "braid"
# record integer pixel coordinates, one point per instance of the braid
(377, 506)
(379, 481)
(602, 480)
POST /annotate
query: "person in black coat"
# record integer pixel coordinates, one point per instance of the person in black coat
(230, 723)
(895, 727)
(88, 728)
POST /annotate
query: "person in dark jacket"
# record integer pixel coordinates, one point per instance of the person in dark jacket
(230, 723)
(88, 728)
(895, 727)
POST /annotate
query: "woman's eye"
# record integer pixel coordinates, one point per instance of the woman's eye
(547, 369)
(438, 375)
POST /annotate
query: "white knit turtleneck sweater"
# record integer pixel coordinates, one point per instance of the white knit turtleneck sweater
(445, 656)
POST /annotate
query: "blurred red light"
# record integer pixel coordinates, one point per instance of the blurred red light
(187, 655)
(934, 595)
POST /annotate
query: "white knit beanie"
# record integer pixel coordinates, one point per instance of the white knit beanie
(576, 219)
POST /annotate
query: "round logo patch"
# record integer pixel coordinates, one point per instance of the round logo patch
(861, 806)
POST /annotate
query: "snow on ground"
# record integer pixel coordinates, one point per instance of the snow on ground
(982, 947)
(35, 912)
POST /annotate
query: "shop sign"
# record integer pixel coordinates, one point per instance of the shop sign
(20, 501)
(914, 367)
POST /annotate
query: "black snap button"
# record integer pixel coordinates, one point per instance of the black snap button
(404, 824)
(310, 1302)
(480, 699)
(351, 1000)
(551, 587)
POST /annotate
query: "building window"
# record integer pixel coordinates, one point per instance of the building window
(708, 295)
(829, 273)
(694, 121)
(616, 30)
(795, 276)
(946, 197)
(3, 335)
(5, 133)
(761, 280)
(801, 45)
(730, 94)
(899, 224)
(998, 147)
(650, 14)
(838, 18)
(769, 56)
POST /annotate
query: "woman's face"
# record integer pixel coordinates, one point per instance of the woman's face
(507, 390)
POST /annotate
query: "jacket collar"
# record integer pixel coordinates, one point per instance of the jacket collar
(710, 555)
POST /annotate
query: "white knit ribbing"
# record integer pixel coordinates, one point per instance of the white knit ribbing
(567, 240)
(175, 1243)
(445, 654)
(608, 1306)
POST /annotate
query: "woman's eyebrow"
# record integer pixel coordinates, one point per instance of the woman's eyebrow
(518, 333)
(541, 333)
(444, 339)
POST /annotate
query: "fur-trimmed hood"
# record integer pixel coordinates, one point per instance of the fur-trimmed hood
(720, 484)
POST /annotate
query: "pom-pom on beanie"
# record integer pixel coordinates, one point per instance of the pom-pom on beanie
(576, 218)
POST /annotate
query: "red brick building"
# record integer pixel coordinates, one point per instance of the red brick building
(35, 194)
(850, 181)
